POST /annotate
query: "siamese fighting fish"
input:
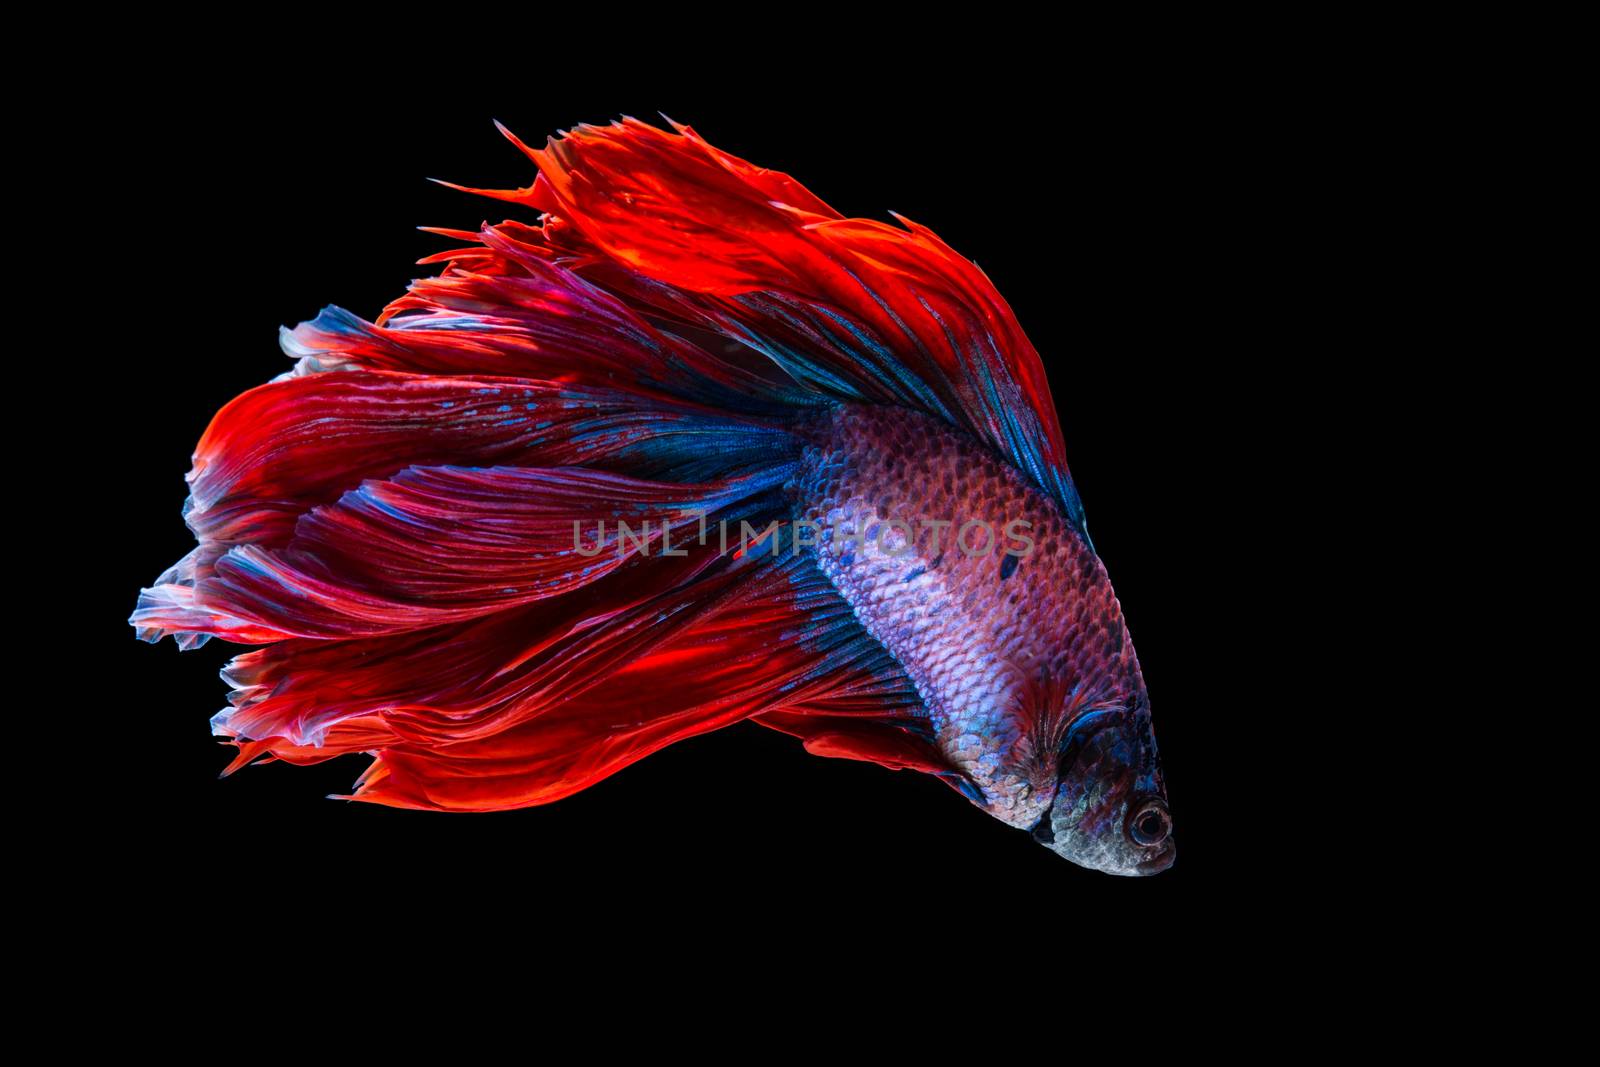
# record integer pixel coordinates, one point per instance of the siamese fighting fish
(679, 446)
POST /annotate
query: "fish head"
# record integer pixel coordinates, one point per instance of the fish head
(1110, 810)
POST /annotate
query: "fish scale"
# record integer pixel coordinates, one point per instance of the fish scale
(985, 650)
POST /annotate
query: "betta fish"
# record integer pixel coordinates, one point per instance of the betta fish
(681, 447)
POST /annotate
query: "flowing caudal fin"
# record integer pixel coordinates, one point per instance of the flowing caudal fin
(394, 518)
(359, 503)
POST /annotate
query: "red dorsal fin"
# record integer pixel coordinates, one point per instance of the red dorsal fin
(856, 308)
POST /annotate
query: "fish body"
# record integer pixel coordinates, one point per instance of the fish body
(464, 535)
(988, 643)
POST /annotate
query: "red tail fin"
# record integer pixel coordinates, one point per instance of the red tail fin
(394, 517)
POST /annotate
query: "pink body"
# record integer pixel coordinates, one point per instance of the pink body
(994, 659)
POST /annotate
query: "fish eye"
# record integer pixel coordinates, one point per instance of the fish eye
(1150, 824)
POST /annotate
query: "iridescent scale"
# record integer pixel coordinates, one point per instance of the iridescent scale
(982, 638)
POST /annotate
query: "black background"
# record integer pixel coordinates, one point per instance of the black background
(1135, 222)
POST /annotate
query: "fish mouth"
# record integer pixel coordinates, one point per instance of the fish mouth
(1159, 862)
